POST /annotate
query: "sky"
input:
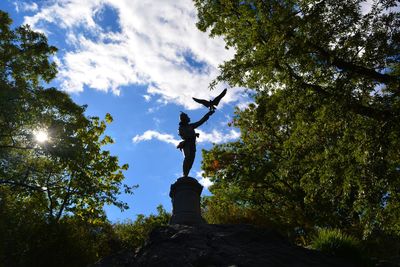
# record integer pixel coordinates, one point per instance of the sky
(142, 62)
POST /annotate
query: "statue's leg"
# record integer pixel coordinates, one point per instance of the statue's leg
(189, 153)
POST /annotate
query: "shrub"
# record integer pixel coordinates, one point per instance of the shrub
(133, 234)
(337, 243)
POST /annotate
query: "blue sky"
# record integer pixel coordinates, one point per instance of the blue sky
(141, 61)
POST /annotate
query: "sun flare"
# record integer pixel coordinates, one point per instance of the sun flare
(41, 136)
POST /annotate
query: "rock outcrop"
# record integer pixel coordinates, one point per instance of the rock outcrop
(219, 245)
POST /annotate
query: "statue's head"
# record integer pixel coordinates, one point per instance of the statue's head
(184, 118)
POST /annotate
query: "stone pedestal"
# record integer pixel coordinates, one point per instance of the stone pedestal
(185, 195)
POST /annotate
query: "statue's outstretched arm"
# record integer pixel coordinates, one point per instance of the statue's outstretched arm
(202, 120)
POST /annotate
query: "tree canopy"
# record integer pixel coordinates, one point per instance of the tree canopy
(320, 145)
(69, 172)
(338, 49)
(55, 176)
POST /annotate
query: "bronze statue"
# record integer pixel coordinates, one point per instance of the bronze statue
(186, 131)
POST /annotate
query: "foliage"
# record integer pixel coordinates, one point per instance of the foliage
(70, 172)
(222, 209)
(28, 239)
(52, 193)
(320, 146)
(332, 48)
(383, 245)
(133, 234)
(334, 242)
(309, 167)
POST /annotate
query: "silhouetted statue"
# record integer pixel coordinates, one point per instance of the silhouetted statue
(186, 131)
(211, 103)
(186, 191)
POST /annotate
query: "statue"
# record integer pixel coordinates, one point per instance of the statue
(188, 145)
(186, 131)
(185, 192)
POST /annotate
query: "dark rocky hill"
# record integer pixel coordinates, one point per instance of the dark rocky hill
(219, 245)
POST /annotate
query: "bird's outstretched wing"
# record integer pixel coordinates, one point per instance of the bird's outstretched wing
(216, 100)
(202, 101)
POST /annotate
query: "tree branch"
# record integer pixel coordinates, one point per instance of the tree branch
(65, 200)
(49, 196)
(16, 183)
(16, 147)
(350, 104)
(353, 68)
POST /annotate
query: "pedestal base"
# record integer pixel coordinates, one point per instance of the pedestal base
(185, 195)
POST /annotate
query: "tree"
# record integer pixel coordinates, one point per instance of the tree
(55, 176)
(319, 148)
(309, 167)
(330, 47)
(28, 239)
(69, 172)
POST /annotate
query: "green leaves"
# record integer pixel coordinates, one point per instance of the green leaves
(304, 163)
(334, 242)
(24, 55)
(108, 118)
(133, 234)
(320, 147)
(328, 47)
(70, 172)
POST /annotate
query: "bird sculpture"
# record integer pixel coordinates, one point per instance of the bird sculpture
(211, 104)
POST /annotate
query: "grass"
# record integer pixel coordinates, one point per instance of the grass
(337, 243)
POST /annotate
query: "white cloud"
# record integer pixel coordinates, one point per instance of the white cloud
(156, 45)
(29, 7)
(217, 137)
(213, 137)
(149, 135)
(245, 104)
(23, 6)
(66, 13)
(147, 97)
(204, 181)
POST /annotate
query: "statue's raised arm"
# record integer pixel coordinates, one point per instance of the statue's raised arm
(202, 120)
